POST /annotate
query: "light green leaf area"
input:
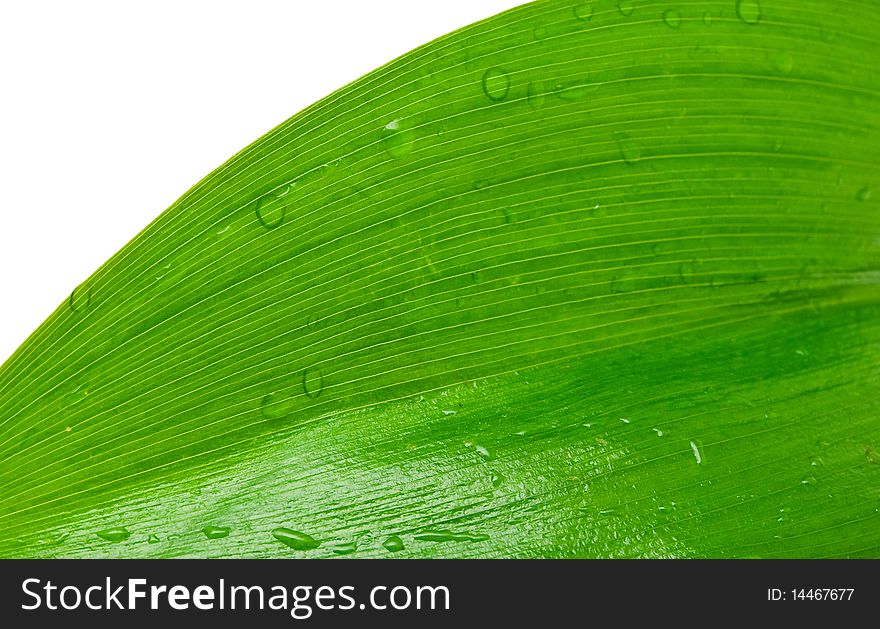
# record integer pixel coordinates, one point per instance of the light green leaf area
(581, 280)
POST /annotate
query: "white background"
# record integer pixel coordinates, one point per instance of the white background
(110, 110)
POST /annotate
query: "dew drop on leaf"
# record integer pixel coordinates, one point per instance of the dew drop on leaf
(75, 396)
(80, 298)
(398, 138)
(577, 90)
(864, 194)
(535, 95)
(783, 61)
(275, 405)
(584, 11)
(345, 548)
(393, 544)
(496, 84)
(114, 534)
(295, 539)
(59, 537)
(749, 11)
(630, 150)
(672, 18)
(626, 7)
(215, 532)
(270, 207)
(471, 537)
(152, 538)
(313, 382)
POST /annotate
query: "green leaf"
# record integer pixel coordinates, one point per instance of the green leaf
(585, 279)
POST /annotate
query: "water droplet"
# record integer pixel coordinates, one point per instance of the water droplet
(809, 480)
(162, 269)
(626, 7)
(393, 544)
(114, 534)
(708, 18)
(624, 420)
(398, 139)
(270, 207)
(584, 11)
(470, 537)
(312, 322)
(535, 95)
(80, 298)
(295, 539)
(672, 18)
(696, 450)
(783, 61)
(313, 382)
(577, 90)
(152, 538)
(864, 194)
(658, 431)
(276, 405)
(345, 548)
(55, 539)
(749, 11)
(816, 461)
(497, 479)
(448, 412)
(74, 396)
(434, 536)
(215, 532)
(482, 451)
(496, 84)
(629, 148)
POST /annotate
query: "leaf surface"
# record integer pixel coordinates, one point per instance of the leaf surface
(582, 280)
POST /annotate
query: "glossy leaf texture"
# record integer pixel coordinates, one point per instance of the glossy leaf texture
(586, 279)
